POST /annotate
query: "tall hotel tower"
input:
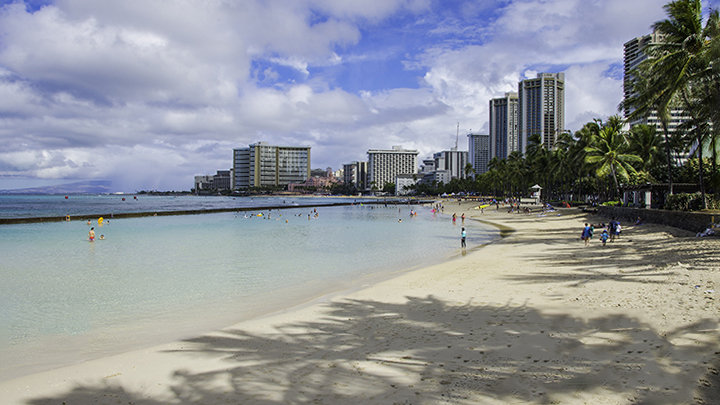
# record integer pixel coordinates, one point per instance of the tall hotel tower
(634, 55)
(541, 108)
(479, 152)
(504, 126)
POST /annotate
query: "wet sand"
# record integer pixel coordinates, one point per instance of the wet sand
(536, 317)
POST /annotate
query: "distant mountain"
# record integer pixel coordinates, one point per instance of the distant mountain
(80, 187)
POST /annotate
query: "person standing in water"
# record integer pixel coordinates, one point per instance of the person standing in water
(463, 235)
(91, 235)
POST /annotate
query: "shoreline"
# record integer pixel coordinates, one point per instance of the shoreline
(534, 317)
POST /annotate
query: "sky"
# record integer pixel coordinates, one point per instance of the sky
(148, 94)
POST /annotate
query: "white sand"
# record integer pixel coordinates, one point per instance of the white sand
(534, 318)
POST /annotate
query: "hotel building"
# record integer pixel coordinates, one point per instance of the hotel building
(213, 183)
(384, 165)
(504, 136)
(355, 173)
(541, 108)
(634, 55)
(453, 161)
(261, 165)
(479, 152)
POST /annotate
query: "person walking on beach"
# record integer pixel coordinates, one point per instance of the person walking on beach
(612, 227)
(604, 236)
(585, 235)
(91, 235)
(463, 235)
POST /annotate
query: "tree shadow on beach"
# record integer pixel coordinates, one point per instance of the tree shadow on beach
(431, 351)
(645, 254)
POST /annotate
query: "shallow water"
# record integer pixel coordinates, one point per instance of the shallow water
(156, 279)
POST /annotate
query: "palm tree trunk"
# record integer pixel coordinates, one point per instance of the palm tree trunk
(669, 154)
(702, 181)
(617, 186)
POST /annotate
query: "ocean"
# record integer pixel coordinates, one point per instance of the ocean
(156, 279)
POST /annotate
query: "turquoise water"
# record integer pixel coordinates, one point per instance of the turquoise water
(156, 279)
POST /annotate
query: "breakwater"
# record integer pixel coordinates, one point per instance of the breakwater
(86, 217)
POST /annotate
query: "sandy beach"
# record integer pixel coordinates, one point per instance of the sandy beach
(535, 317)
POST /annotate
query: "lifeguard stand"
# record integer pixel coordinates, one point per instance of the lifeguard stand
(536, 193)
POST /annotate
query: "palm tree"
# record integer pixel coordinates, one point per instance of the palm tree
(516, 172)
(608, 152)
(671, 66)
(494, 168)
(645, 142)
(469, 170)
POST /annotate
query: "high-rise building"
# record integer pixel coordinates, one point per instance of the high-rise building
(384, 165)
(261, 165)
(479, 152)
(541, 108)
(355, 173)
(504, 135)
(634, 54)
(453, 161)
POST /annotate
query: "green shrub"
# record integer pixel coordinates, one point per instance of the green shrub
(612, 204)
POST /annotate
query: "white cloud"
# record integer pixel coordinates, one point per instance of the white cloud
(149, 94)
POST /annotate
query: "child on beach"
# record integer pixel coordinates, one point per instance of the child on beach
(604, 236)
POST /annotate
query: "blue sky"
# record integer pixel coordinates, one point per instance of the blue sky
(149, 94)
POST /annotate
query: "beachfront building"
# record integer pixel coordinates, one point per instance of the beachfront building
(633, 55)
(385, 164)
(504, 136)
(404, 183)
(437, 176)
(263, 165)
(222, 180)
(453, 161)
(355, 174)
(479, 152)
(203, 183)
(541, 109)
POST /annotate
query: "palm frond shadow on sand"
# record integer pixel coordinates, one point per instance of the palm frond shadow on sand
(427, 351)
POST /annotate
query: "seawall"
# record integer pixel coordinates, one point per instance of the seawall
(85, 217)
(690, 221)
